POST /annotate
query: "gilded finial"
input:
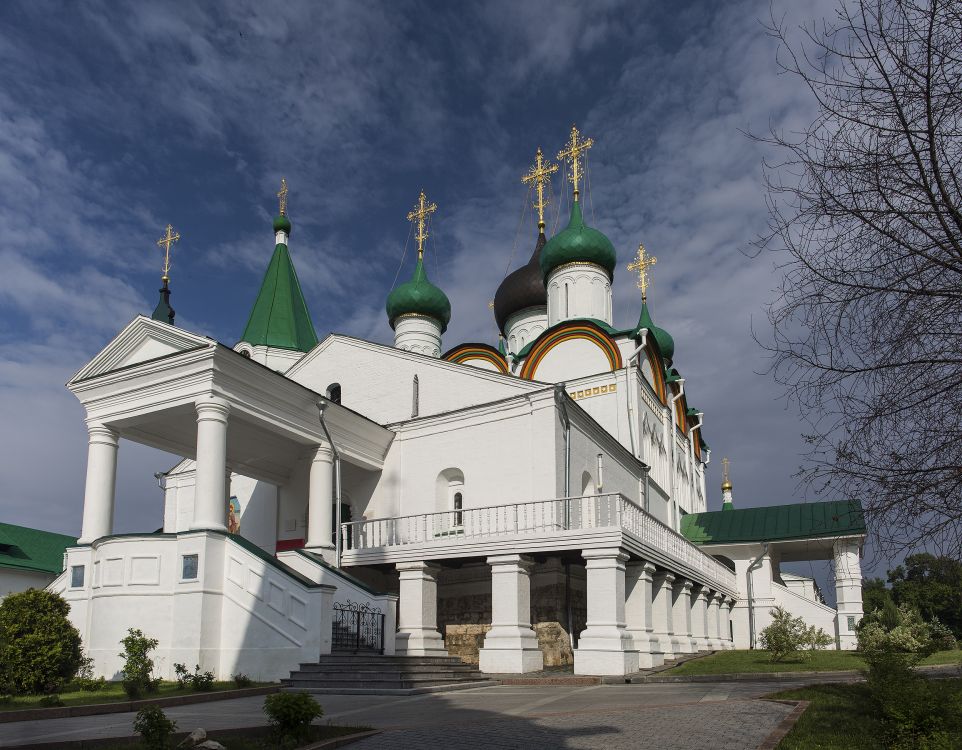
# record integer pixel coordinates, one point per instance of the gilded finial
(573, 151)
(726, 478)
(540, 175)
(282, 197)
(421, 211)
(169, 238)
(641, 264)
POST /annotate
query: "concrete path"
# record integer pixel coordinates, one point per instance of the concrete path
(612, 717)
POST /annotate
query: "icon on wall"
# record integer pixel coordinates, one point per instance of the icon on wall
(233, 515)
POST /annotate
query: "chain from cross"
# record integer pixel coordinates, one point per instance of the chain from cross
(282, 197)
(540, 175)
(641, 264)
(572, 152)
(169, 238)
(421, 211)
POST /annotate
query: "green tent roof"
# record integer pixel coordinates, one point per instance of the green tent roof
(279, 317)
(775, 522)
(32, 549)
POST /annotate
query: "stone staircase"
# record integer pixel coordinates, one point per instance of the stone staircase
(372, 673)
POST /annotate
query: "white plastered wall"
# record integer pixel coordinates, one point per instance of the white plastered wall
(13, 580)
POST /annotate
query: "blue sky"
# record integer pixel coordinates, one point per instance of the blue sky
(117, 118)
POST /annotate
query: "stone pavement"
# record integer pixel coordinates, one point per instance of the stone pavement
(685, 715)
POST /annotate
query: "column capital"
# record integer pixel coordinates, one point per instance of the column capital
(684, 584)
(664, 577)
(647, 569)
(212, 408)
(322, 452)
(98, 432)
(521, 561)
(607, 553)
(417, 566)
(702, 593)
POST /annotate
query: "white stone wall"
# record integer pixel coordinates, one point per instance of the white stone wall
(418, 334)
(13, 581)
(525, 326)
(578, 290)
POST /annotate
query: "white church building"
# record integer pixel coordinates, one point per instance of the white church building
(539, 502)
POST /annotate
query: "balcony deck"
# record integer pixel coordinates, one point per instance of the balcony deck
(545, 526)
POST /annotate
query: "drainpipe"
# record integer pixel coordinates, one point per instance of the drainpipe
(560, 397)
(672, 469)
(756, 564)
(337, 486)
(691, 452)
(629, 389)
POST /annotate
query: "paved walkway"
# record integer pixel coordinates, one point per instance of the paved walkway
(612, 717)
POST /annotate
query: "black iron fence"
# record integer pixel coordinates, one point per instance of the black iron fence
(357, 627)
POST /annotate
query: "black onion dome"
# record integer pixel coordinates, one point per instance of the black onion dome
(522, 288)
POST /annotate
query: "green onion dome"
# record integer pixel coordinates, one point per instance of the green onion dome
(666, 344)
(282, 224)
(419, 297)
(578, 243)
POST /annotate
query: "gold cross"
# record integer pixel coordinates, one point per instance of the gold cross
(282, 197)
(540, 175)
(641, 264)
(726, 478)
(420, 213)
(491, 304)
(572, 152)
(169, 238)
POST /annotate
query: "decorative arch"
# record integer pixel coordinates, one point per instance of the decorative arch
(465, 354)
(566, 332)
(657, 372)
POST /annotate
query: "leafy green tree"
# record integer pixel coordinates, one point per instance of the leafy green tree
(933, 586)
(39, 646)
(875, 594)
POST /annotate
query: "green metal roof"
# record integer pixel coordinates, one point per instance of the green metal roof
(32, 549)
(775, 522)
(279, 317)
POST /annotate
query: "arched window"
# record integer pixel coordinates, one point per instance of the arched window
(334, 392)
(415, 396)
(458, 502)
(449, 489)
(567, 300)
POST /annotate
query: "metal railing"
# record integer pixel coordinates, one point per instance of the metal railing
(536, 518)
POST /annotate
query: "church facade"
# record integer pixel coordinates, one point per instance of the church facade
(518, 505)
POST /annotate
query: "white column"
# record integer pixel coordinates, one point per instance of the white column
(681, 609)
(726, 610)
(511, 646)
(98, 515)
(605, 648)
(662, 616)
(418, 611)
(699, 619)
(210, 489)
(320, 499)
(638, 613)
(848, 592)
(714, 620)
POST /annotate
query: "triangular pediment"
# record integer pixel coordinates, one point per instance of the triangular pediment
(141, 340)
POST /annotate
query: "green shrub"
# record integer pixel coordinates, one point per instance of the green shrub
(85, 679)
(241, 680)
(152, 724)
(51, 701)
(196, 681)
(39, 647)
(789, 636)
(138, 666)
(290, 715)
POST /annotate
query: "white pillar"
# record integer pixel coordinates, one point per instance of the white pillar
(605, 648)
(848, 592)
(98, 515)
(511, 646)
(699, 619)
(681, 609)
(662, 616)
(210, 488)
(320, 499)
(638, 613)
(418, 611)
(714, 620)
(727, 635)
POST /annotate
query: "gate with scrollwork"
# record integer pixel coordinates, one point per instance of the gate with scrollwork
(357, 627)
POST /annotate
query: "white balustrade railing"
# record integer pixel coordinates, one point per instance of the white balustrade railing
(530, 519)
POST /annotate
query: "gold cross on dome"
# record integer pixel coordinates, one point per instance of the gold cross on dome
(421, 211)
(572, 152)
(726, 479)
(282, 197)
(540, 175)
(641, 264)
(169, 238)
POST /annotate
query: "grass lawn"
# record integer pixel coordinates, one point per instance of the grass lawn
(843, 717)
(112, 692)
(725, 662)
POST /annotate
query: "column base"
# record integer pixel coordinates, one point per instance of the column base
(648, 648)
(419, 643)
(326, 551)
(603, 662)
(681, 644)
(510, 660)
(664, 644)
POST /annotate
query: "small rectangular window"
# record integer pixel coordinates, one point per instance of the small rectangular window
(190, 568)
(851, 624)
(76, 576)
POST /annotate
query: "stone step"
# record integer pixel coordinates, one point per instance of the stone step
(356, 668)
(377, 684)
(374, 659)
(385, 675)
